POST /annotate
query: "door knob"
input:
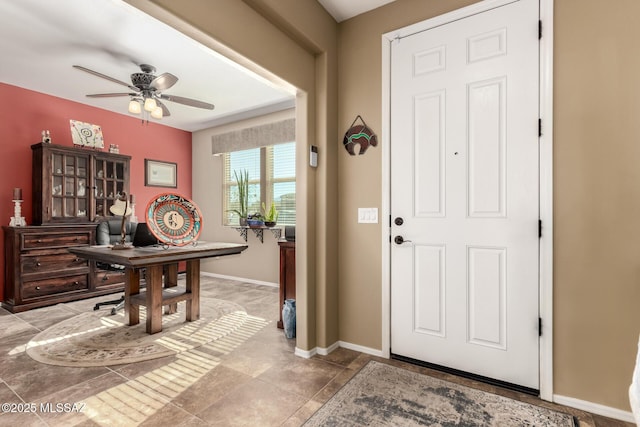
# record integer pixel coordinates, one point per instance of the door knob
(400, 240)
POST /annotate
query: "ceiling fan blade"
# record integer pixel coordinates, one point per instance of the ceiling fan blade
(165, 110)
(110, 95)
(164, 81)
(95, 73)
(187, 101)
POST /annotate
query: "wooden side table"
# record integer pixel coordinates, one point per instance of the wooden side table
(287, 274)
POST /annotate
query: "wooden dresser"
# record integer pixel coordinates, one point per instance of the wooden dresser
(287, 274)
(72, 188)
(39, 270)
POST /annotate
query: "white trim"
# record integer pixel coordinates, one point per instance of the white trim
(594, 408)
(386, 197)
(325, 351)
(307, 354)
(240, 279)
(546, 200)
(362, 349)
(546, 175)
(455, 15)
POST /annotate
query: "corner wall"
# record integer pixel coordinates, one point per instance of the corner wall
(282, 42)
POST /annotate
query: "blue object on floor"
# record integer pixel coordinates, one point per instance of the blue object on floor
(289, 318)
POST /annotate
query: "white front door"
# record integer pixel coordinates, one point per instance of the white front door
(464, 187)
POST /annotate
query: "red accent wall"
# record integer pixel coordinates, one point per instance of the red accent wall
(23, 116)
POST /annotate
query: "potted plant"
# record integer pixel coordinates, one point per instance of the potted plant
(255, 221)
(242, 180)
(271, 215)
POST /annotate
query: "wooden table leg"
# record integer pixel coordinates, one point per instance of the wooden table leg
(193, 287)
(131, 287)
(171, 281)
(154, 299)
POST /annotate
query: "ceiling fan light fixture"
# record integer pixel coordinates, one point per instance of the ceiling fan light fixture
(157, 113)
(135, 107)
(150, 104)
(145, 92)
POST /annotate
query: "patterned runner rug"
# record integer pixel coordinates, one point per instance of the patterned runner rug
(98, 338)
(383, 395)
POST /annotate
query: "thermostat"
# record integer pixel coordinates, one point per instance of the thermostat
(313, 156)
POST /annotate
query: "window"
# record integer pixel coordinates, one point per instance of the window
(272, 177)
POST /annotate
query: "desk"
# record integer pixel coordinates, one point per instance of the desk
(154, 259)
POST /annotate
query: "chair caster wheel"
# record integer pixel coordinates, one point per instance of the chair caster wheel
(113, 311)
(96, 308)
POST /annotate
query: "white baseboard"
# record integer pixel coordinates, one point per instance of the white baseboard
(325, 351)
(360, 348)
(307, 354)
(240, 279)
(594, 408)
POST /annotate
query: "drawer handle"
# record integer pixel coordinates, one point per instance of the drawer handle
(105, 277)
(39, 241)
(37, 288)
(78, 260)
(38, 264)
(76, 283)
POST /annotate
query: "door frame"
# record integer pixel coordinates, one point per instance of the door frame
(545, 176)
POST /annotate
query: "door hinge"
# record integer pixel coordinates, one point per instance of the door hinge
(539, 29)
(539, 127)
(539, 326)
(539, 228)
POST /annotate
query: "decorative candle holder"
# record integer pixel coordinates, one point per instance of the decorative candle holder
(17, 220)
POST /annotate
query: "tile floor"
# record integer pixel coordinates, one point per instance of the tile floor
(256, 381)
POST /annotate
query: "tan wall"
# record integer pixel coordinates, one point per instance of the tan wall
(596, 198)
(596, 187)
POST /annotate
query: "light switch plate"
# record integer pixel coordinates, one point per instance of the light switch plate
(368, 215)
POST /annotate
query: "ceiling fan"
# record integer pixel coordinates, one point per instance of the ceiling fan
(146, 91)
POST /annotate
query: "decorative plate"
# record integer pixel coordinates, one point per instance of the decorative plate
(174, 219)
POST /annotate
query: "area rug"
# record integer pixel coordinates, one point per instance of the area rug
(383, 395)
(98, 338)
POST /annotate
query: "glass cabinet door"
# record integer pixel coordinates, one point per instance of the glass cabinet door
(69, 180)
(110, 183)
(75, 185)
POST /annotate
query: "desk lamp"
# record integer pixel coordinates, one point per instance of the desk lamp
(121, 207)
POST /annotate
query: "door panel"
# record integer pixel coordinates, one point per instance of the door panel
(464, 176)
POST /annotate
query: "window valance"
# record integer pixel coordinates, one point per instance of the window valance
(255, 136)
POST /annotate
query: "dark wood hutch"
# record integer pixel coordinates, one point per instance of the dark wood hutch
(72, 188)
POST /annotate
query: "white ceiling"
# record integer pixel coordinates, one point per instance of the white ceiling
(40, 41)
(345, 9)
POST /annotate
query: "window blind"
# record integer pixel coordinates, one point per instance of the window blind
(272, 177)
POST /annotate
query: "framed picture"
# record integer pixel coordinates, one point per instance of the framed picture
(160, 174)
(86, 134)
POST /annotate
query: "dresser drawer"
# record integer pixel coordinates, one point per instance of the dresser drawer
(108, 277)
(55, 240)
(53, 263)
(58, 286)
